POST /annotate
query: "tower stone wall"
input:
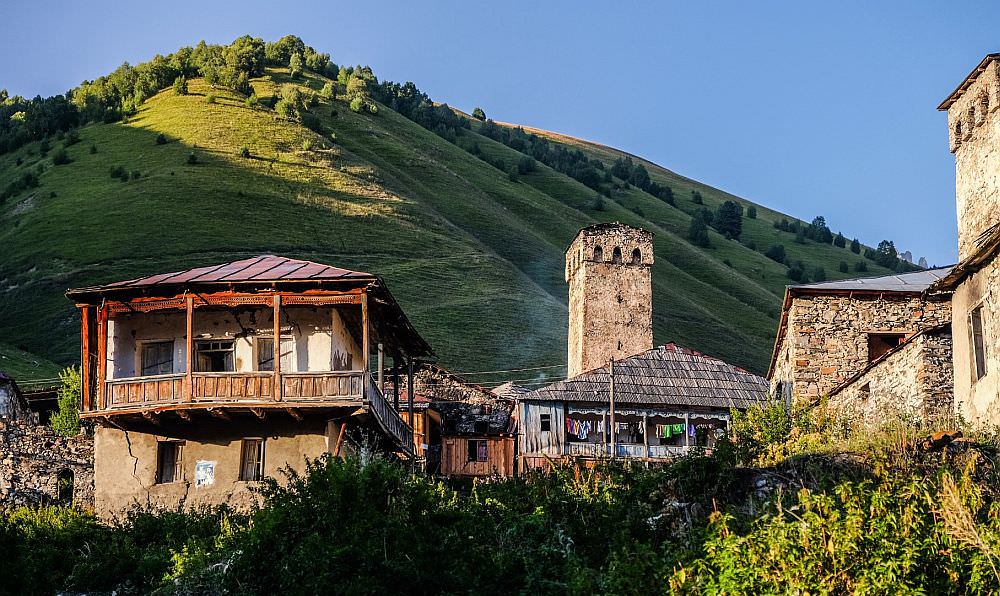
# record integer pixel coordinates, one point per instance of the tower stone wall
(973, 135)
(609, 271)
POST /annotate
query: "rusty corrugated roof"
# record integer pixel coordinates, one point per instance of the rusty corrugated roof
(667, 375)
(263, 268)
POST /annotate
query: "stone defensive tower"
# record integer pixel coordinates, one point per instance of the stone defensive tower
(608, 268)
(974, 138)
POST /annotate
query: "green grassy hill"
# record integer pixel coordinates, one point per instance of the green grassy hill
(27, 368)
(475, 258)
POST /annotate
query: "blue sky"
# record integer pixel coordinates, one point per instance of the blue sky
(810, 108)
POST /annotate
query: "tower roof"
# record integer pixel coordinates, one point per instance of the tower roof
(605, 227)
(967, 81)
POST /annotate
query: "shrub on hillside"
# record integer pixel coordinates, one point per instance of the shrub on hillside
(60, 157)
(161, 139)
(696, 197)
(751, 212)
(66, 419)
(245, 152)
(210, 98)
(180, 85)
(776, 253)
(192, 158)
(698, 232)
(118, 171)
(479, 114)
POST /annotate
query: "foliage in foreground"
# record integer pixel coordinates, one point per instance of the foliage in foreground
(878, 518)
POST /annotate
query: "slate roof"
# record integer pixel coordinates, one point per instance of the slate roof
(967, 81)
(262, 268)
(509, 390)
(668, 375)
(916, 282)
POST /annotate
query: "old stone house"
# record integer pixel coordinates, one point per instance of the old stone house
(36, 464)
(974, 138)
(624, 398)
(202, 382)
(830, 332)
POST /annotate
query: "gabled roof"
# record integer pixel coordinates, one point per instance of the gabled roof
(262, 268)
(986, 248)
(915, 282)
(668, 375)
(967, 81)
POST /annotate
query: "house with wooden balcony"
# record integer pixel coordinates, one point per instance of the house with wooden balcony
(653, 406)
(202, 382)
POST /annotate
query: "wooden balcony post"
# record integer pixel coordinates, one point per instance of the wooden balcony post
(85, 372)
(395, 380)
(381, 367)
(409, 386)
(687, 435)
(645, 433)
(364, 343)
(277, 393)
(189, 351)
(102, 356)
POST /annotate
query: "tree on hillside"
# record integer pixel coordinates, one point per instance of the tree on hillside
(728, 220)
(698, 232)
(295, 65)
(751, 212)
(776, 253)
(861, 266)
(181, 85)
(839, 241)
(855, 246)
(696, 197)
(885, 254)
(280, 52)
(844, 267)
(479, 114)
(328, 91)
(818, 231)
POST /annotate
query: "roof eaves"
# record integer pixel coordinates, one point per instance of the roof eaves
(967, 81)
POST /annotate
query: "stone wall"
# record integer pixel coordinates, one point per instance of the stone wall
(973, 131)
(31, 460)
(915, 380)
(608, 268)
(976, 400)
(826, 339)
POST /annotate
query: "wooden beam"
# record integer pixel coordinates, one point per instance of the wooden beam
(189, 351)
(365, 349)
(340, 438)
(184, 415)
(221, 414)
(381, 366)
(277, 349)
(294, 413)
(152, 418)
(85, 372)
(102, 356)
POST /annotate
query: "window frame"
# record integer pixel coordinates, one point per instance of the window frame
(198, 351)
(545, 422)
(140, 349)
(980, 366)
(177, 467)
(257, 351)
(472, 449)
(257, 444)
(882, 335)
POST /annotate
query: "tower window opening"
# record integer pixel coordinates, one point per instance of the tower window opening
(636, 256)
(598, 254)
(616, 255)
(983, 107)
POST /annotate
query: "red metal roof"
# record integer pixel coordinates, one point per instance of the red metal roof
(263, 268)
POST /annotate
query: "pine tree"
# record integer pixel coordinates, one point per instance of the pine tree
(855, 246)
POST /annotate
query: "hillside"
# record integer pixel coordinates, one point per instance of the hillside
(473, 254)
(27, 368)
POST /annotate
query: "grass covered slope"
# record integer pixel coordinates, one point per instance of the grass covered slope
(475, 256)
(24, 367)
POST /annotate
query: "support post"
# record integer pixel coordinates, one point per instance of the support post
(409, 387)
(381, 367)
(277, 349)
(611, 394)
(645, 433)
(395, 381)
(189, 350)
(102, 356)
(365, 353)
(687, 431)
(85, 372)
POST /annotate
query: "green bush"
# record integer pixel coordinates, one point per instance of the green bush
(66, 419)
(245, 152)
(161, 139)
(60, 157)
(192, 158)
(210, 98)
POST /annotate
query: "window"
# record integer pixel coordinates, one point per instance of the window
(64, 487)
(636, 257)
(481, 427)
(265, 353)
(616, 255)
(978, 344)
(168, 462)
(156, 358)
(214, 356)
(880, 343)
(598, 254)
(545, 422)
(478, 450)
(252, 460)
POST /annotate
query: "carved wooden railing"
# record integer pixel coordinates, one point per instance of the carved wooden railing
(141, 391)
(307, 386)
(624, 450)
(244, 386)
(387, 417)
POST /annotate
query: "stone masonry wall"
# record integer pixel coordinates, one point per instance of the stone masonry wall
(608, 268)
(915, 381)
(973, 131)
(826, 341)
(976, 400)
(31, 459)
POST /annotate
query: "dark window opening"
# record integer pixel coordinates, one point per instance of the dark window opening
(477, 450)
(616, 255)
(215, 356)
(881, 343)
(168, 461)
(978, 342)
(481, 427)
(252, 460)
(636, 257)
(450, 426)
(545, 422)
(64, 487)
(156, 358)
(598, 254)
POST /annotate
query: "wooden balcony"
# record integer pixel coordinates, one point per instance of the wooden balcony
(625, 450)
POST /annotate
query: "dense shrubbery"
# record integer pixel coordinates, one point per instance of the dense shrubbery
(859, 513)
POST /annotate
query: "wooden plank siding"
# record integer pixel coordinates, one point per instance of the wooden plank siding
(455, 457)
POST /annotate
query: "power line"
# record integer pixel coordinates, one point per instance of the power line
(493, 372)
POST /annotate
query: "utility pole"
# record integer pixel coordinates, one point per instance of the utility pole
(611, 392)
